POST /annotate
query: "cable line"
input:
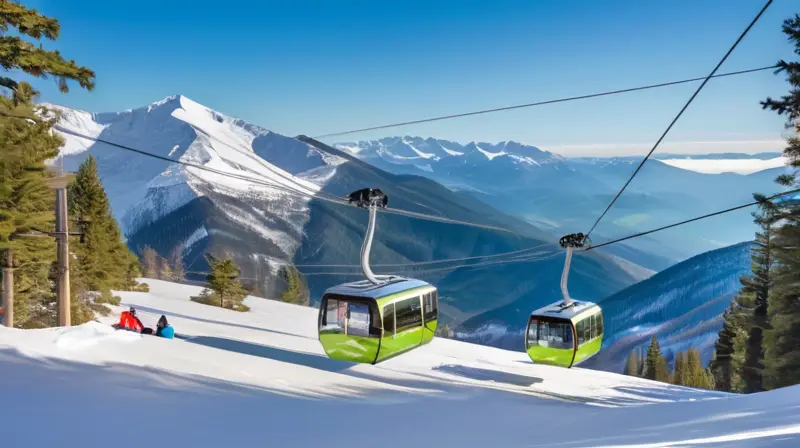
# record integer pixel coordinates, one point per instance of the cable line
(283, 188)
(422, 263)
(674, 120)
(542, 103)
(481, 265)
(797, 190)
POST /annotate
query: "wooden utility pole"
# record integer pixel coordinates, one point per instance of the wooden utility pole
(59, 183)
(8, 290)
(62, 258)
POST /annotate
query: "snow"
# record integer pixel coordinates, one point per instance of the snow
(716, 166)
(490, 155)
(239, 160)
(261, 379)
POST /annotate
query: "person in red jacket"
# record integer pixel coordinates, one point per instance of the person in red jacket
(129, 321)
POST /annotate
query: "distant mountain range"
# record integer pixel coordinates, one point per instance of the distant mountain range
(264, 202)
(682, 306)
(566, 195)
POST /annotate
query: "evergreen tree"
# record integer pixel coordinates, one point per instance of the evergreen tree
(103, 261)
(224, 289)
(296, 290)
(722, 364)
(680, 375)
(695, 374)
(758, 286)
(655, 365)
(26, 142)
(149, 262)
(782, 356)
(632, 364)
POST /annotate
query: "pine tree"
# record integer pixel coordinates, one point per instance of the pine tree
(224, 289)
(758, 285)
(26, 202)
(103, 262)
(149, 262)
(722, 365)
(632, 364)
(296, 290)
(680, 375)
(655, 365)
(696, 375)
(782, 356)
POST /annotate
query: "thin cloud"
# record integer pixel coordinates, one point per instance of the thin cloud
(689, 147)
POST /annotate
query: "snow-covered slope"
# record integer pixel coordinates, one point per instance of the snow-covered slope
(261, 379)
(171, 206)
(143, 190)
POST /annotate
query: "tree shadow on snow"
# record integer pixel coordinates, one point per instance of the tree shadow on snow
(496, 376)
(274, 353)
(211, 321)
(453, 389)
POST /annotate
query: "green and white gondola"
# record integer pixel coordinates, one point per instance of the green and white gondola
(372, 320)
(568, 332)
(368, 323)
(564, 336)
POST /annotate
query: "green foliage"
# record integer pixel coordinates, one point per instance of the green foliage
(724, 366)
(19, 54)
(224, 289)
(758, 286)
(782, 339)
(103, 261)
(680, 374)
(26, 201)
(655, 365)
(296, 290)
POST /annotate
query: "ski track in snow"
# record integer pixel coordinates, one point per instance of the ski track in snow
(261, 379)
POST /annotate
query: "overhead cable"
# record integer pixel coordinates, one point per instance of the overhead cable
(542, 103)
(674, 120)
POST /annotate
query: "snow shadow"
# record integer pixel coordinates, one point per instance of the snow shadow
(208, 321)
(476, 373)
(419, 381)
(274, 353)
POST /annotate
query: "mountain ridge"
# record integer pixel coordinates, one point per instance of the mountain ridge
(279, 219)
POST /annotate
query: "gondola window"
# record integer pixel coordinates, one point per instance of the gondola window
(431, 306)
(388, 319)
(408, 314)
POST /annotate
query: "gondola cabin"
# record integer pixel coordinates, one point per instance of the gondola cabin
(368, 323)
(564, 336)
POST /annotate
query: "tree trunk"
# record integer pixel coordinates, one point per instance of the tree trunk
(8, 289)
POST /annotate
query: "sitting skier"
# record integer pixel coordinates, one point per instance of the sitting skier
(164, 329)
(129, 321)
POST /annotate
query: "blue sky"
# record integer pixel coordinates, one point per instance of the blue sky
(315, 67)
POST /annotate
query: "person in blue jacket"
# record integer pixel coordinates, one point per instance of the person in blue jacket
(164, 329)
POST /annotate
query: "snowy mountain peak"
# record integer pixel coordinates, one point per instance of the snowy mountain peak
(429, 152)
(230, 151)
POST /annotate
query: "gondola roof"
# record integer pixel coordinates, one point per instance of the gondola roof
(389, 285)
(558, 310)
